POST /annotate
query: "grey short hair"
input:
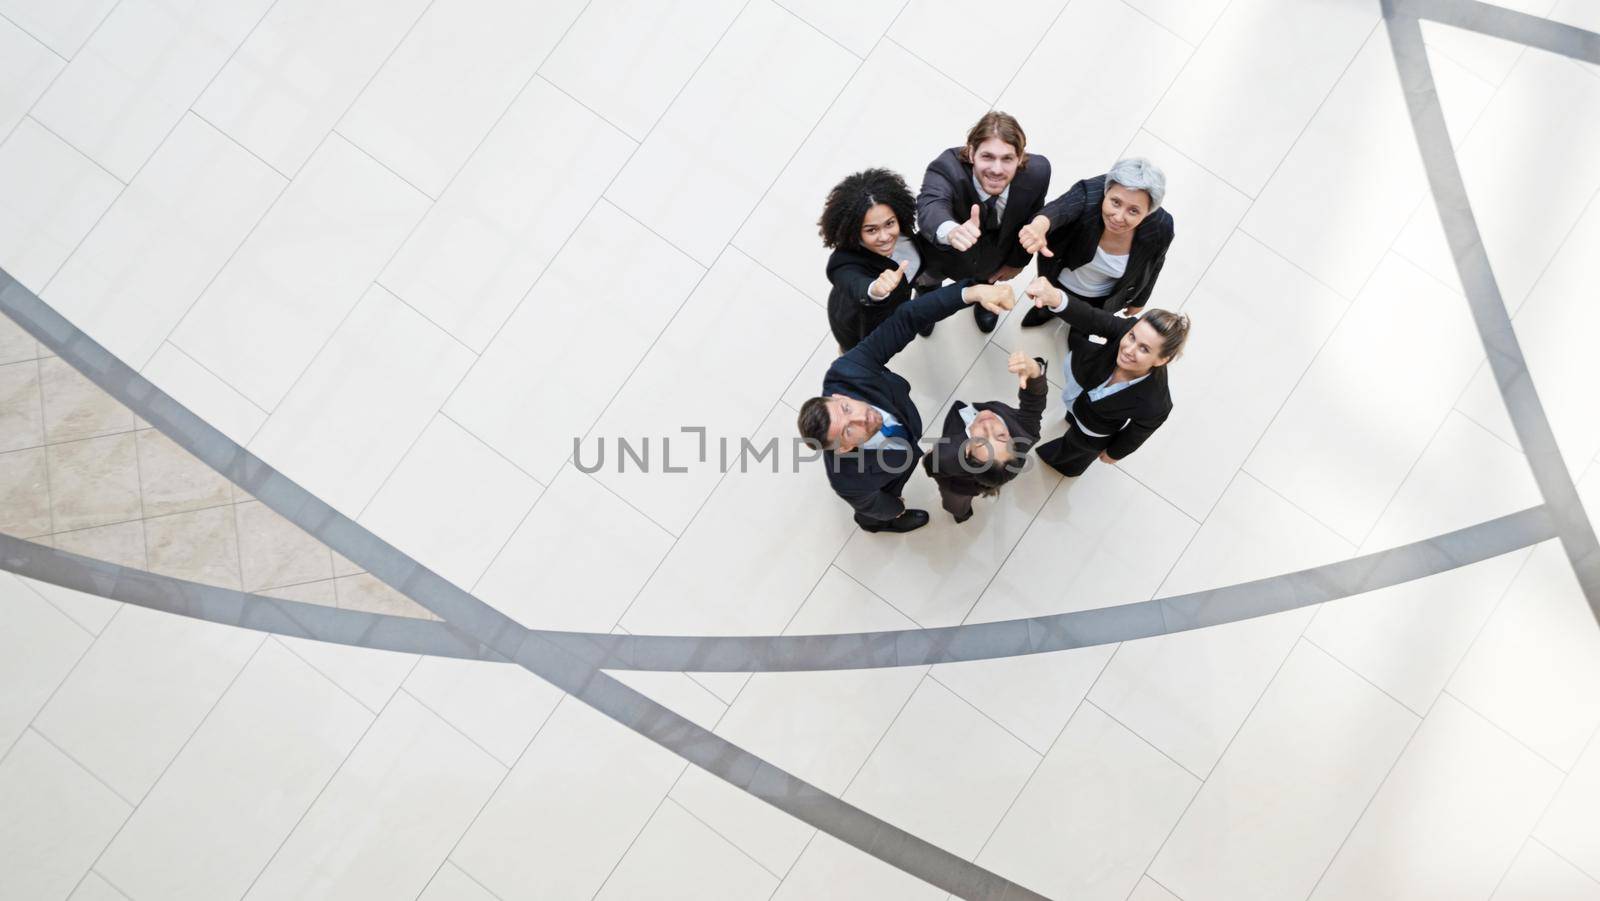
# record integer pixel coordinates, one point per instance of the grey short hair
(1139, 174)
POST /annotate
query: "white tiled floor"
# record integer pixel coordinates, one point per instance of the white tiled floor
(409, 252)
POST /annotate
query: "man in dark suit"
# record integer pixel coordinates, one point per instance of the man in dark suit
(865, 422)
(974, 201)
(986, 444)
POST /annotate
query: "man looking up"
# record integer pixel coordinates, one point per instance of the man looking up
(865, 422)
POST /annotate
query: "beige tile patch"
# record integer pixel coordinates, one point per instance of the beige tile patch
(274, 551)
(75, 408)
(365, 592)
(15, 344)
(94, 482)
(200, 546)
(173, 481)
(24, 493)
(120, 543)
(21, 418)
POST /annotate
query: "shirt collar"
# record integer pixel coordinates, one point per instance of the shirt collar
(978, 186)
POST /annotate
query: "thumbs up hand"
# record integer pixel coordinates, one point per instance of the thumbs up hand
(885, 283)
(1032, 236)
(1044, 295)
(1024, 367)
(967, 233)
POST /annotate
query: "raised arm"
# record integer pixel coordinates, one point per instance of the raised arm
(1079, 314)
(1032, 398)
(935, 201)
(893, 334)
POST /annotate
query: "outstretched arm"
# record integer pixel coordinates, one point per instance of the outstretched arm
(1078, 314)
(1032, 392)
(893, 334)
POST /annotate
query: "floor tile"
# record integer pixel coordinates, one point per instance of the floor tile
(21, 413)
(1189, 19)
(753, 554)
(274, 551)
(204, 394)
(136, 275)
(121, 543)
(1255, 82)
(1093, 814)
(173, 481)
(818, 726)
(370, 676)
(26, 69)
(491, 235)
(24, 493)
(54, 195)
(1150, 890)
(719, 314)
(499, 706)
(451, 503)
(451, 883)
(94, 482)
(664, 43)
(301, 67)
(553, 574)
(1535, 669)
(858, 26)
(1254, 313)
(366, 398)
(442, 89)
(1520, 229)
(366, 592)
(1074, 556)
(198, 546)
(1449, 818)
(832, 869)
(412, 772)
(1187, 693)
(1409, 638)
(63, 26)
(1290, 787)
(141, 691)
(39, 646)
(87, 610)
(284, 726)
(16, 345)
(1116, 85)
(94, 888)
(943, 772)
(660, 186)
(782, 230)
(58, 817)
(1341, 457)
(678, 857)
(1568, 826)
(1343, 193)
(925, 28)
(510, 378)
(569, 809)
(301, 271)
(1539, 875)
(75, 407)
(124, 91)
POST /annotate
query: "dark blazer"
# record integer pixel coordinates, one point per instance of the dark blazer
(948, 194)
(1132, 414)
(852, 315)
(871, 480)
(944, 462)
(1075, 230)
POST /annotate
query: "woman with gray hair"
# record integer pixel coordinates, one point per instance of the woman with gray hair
(1103, 241)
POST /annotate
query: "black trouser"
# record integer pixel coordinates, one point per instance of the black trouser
(1072, 453)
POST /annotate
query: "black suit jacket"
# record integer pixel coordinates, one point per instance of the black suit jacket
(944, 463)
(1075, 230)
(1132, 414)
(948, 194)
(852, 314)
(871, 480)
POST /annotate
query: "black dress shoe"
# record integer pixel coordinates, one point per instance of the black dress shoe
(986, 320)
(1036, 317)
(907, 521)
(926, 330)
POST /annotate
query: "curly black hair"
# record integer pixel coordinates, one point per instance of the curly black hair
(848, 202)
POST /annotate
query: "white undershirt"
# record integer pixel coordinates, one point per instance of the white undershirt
(1094, 278)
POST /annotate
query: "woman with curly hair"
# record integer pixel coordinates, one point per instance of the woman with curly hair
(868, 221)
